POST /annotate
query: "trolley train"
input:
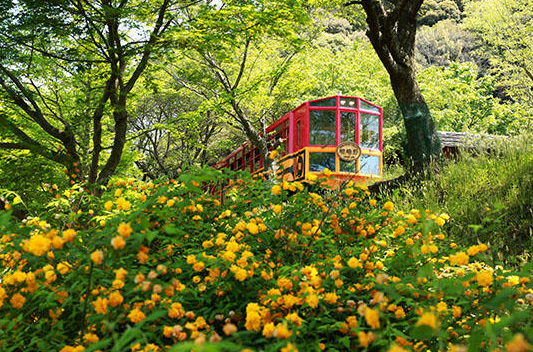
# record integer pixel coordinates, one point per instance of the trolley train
(309, 136)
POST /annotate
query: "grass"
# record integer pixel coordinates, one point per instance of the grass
(489, 196)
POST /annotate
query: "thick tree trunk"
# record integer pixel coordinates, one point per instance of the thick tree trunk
(422, 139)
(392, 31)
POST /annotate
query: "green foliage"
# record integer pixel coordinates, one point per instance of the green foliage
(444, 43)
(433, 11)
(462, 101)
(505, 28)
(488, 196)
(22, 174)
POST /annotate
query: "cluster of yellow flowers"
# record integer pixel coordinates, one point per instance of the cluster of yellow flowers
(309, 271)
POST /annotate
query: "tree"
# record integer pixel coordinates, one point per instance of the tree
(67, 73)
(505, 26)
(433, 11)
(174, 133)
(239, 50)
(444, 43)
(392, 29)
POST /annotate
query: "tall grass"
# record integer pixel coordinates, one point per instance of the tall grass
(487, 193)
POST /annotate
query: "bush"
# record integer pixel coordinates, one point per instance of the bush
(488, 196)
(273, 266)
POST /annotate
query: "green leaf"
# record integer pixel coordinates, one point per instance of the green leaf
(422, 332)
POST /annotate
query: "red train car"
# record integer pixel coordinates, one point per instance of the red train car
(309, 136)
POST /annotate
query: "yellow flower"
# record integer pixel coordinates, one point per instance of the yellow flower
(428, 319)
(229, 256)
(372, 317)
(484, 278)
(396, 348)
(199, 266)
(311, 177)
(120, 274)
(97, 257)
(289, 348)
(37, 245)
(364, 338)
(282, 332)
(63, 267)
(123, 204)
(276, 190)
(17, 300)
(268, 330)
(440, 221)
(89, 337)
(136, 316)
(312, 300)
(232, 246)
(273, 154)
(277, 208)
(331, 297)
(460, 258)
(294, 318)
(115, 299)
(100, 305)
(229, 329)
(68, 235)
(388, 206)
(240, 274)
(252, 228)
(108, 205)
(354, 263)
(124, 230)
(456, 311)
(253, 319)
(518, 344)
(373, 202)
(118, 242)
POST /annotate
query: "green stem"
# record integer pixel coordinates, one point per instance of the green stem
(87, 295)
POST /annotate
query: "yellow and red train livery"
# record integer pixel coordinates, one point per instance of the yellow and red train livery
(309, 136)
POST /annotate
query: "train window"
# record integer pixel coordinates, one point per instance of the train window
(368, 107)
(347, 126)
(369, 164)
(348, 103)
(320, 161)
(322, 127)
(348, 166)
(369, 131)
(325, 102)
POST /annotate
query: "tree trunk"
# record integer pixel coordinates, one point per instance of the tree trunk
(392, 32)
(422, 139)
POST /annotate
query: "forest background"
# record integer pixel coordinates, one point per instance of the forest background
(192, 84)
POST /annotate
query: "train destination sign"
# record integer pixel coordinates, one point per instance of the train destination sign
(348, 151)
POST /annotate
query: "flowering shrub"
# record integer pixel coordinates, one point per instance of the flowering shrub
(269, 267)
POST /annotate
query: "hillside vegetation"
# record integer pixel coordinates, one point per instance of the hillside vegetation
(488, 194)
